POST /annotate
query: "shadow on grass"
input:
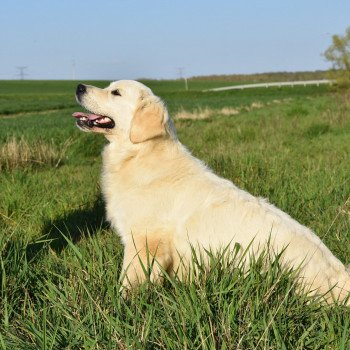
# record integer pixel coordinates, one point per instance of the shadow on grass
(74, 226)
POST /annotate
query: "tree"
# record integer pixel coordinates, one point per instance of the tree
(339, 54)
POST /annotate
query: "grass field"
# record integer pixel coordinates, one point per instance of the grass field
(60, 260)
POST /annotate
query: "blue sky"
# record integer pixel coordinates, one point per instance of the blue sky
(118, 39)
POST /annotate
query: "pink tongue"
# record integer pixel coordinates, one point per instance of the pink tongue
(89, 116)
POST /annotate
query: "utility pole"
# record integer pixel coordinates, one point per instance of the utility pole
(21, 72)
(180, 71)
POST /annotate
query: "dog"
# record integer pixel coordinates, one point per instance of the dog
(163, 201)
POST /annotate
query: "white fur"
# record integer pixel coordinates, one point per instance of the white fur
(158, 195)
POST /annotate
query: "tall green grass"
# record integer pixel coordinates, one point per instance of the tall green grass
(60, 261)
(71, 300)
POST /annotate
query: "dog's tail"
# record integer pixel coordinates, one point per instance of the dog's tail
(339, 287)
(326, 276)
(341, 290)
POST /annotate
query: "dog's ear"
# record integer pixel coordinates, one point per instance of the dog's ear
(148, 122)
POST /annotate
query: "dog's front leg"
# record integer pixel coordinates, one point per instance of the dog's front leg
(146, 257)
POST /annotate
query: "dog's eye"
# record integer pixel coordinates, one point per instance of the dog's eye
(116, 92)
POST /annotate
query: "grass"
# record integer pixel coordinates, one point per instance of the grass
(60, 260)
(20, 154)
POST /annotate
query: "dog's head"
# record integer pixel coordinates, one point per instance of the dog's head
(124, 108)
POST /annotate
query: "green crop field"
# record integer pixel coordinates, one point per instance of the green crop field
(60, 261)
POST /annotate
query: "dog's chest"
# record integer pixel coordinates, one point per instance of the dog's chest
(132, 204)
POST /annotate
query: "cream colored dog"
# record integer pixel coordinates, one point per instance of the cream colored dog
(163, 201)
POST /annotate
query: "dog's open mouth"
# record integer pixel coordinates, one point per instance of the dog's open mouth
(88, 120)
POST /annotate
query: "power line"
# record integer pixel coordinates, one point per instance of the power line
(180, 71)
(21, 74)
(181, 76)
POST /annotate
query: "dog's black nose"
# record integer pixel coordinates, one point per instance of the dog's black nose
(81, 89)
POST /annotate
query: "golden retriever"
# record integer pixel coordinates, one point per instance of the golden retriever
(163, 201)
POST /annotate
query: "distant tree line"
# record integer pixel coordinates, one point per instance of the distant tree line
(339, 55)
(267, 77)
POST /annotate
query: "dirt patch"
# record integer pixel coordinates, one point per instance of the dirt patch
(20, 114)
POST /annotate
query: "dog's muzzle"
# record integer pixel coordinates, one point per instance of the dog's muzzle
(81, 89)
